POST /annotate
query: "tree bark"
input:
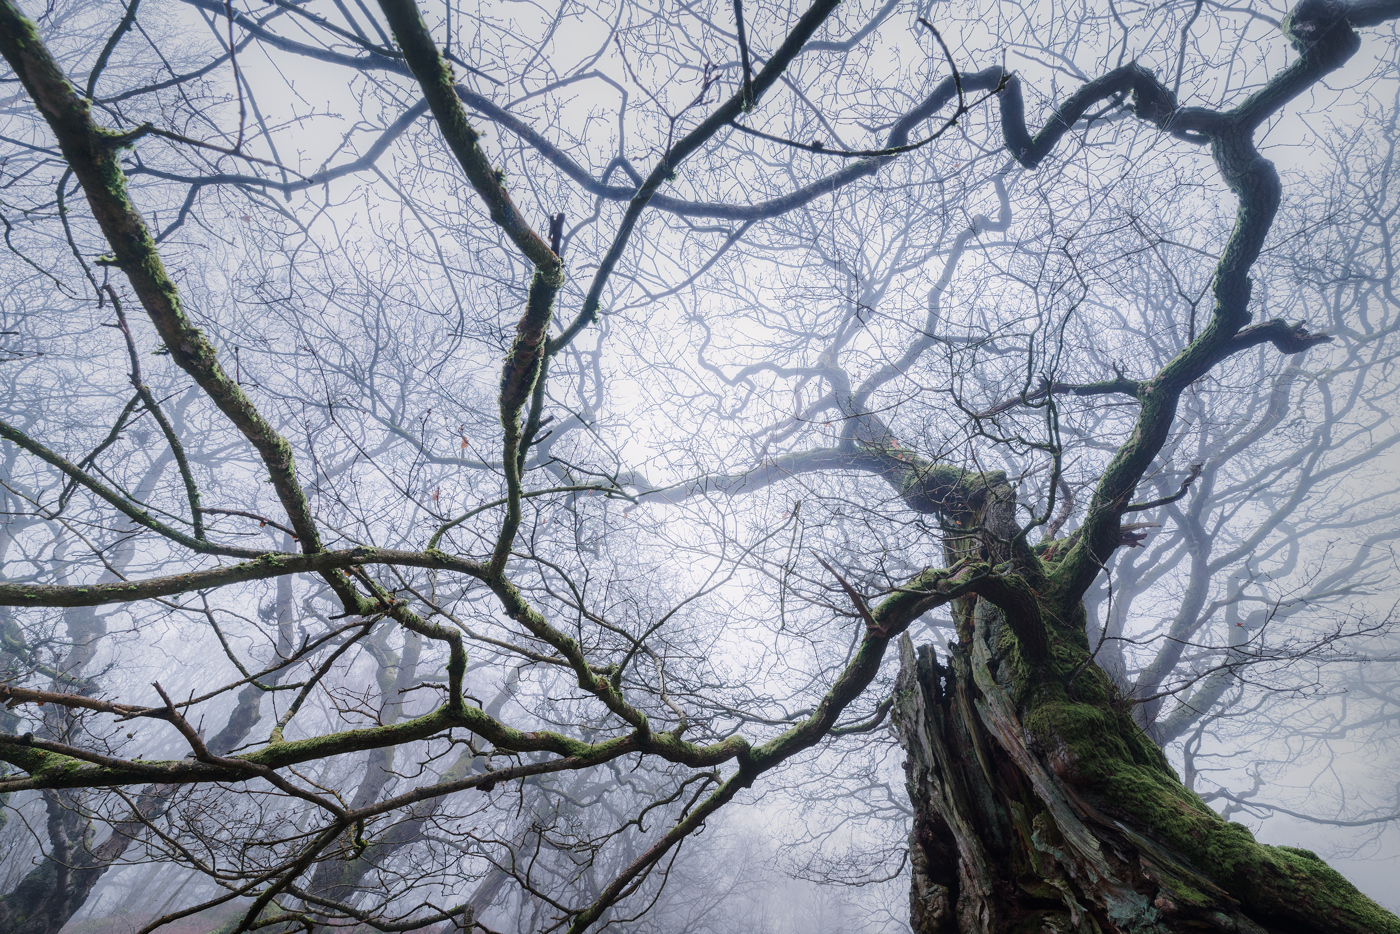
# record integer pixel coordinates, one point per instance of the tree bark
(1041, 806)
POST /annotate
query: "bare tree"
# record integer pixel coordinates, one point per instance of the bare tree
(855, 350)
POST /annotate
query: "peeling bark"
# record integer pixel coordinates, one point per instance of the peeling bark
(1045, 808)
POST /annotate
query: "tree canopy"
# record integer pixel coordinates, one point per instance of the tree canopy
(455, 456)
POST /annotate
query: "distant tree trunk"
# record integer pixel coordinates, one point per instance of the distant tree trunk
(58, 887)
(342, 880)
(1041, 806)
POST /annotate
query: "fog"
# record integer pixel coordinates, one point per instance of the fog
(504, 488)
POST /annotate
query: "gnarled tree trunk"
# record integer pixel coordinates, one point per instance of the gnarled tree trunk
(1042, 807)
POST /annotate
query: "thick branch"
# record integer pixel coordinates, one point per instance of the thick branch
(92, 153)
(1325, 41)
(265, 566)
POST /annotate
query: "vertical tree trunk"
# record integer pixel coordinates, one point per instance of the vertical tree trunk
(1042, 807)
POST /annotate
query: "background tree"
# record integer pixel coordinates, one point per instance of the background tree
(532, 606)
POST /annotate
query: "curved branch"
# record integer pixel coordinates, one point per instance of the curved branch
(123, 505)
(265, 566)
(1325, 40)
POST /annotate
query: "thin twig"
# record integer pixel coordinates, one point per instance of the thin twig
(237, 76)
(821, 148)
(948, 54)
(1185, 485)
(855, 596)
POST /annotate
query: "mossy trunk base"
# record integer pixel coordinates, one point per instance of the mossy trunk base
(1039, 811)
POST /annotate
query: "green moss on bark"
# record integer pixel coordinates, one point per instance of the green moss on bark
(1100, 750)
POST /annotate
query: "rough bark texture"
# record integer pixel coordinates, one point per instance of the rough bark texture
(1042, 807)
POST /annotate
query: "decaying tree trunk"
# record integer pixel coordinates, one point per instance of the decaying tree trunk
(1042, 807)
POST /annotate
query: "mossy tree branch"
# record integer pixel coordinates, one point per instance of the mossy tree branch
(93, 153)
(123, 504)
(1325, 39)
